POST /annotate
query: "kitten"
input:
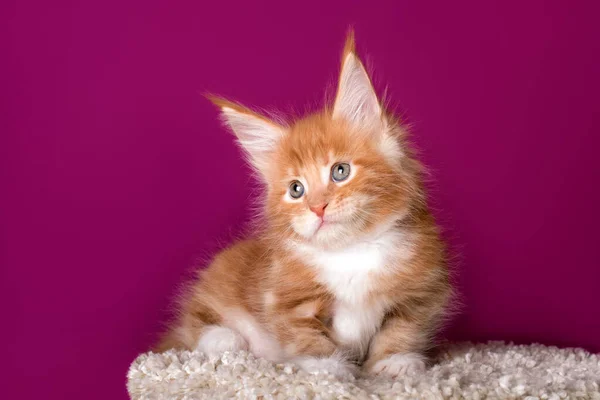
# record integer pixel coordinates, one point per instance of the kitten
(349, 269)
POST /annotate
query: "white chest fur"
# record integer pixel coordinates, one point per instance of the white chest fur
(351, 274)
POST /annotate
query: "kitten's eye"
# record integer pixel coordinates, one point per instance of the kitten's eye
(296, 189)
(340, 172)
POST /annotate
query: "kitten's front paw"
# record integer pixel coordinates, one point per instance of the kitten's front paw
(399, 364)
(334, 365)
(216, 340)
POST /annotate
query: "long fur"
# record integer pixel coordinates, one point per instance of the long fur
(367, 284)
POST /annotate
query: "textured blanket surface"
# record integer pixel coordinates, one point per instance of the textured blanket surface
(461, 371)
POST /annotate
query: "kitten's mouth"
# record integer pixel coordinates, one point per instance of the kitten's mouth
(324, 224)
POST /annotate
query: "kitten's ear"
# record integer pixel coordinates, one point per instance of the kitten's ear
(257, 134)
(356, 100)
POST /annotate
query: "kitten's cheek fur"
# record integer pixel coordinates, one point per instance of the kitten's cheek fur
(399, 364)
(216, 340)
(334, 365)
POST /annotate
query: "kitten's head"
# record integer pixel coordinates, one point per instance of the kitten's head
(334, 176)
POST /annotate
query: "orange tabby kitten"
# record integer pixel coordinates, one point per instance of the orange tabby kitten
(349, 269)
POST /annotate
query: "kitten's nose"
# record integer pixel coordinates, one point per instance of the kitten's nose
(318, 209)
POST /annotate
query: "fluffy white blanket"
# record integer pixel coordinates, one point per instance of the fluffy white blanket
(462, 371)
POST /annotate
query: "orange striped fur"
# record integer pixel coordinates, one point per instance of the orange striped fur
(364, 285)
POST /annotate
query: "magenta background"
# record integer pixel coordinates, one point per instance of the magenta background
(115, 175)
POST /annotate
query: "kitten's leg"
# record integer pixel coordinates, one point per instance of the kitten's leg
(215, 340)
(306, 342)
(212, 339)
(397, 348)
(260, 341)
(186, 331)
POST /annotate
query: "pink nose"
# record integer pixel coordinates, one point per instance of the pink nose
(319, 209)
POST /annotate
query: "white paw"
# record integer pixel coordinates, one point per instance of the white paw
(216, 340)
(266, 347)
(399, 364)
(334, 365)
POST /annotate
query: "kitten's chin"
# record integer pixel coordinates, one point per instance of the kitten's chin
(339, 234)
(333, 235)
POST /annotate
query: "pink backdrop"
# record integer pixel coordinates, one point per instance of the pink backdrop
(115, 175)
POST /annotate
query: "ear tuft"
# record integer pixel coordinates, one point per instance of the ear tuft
(349, 45)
